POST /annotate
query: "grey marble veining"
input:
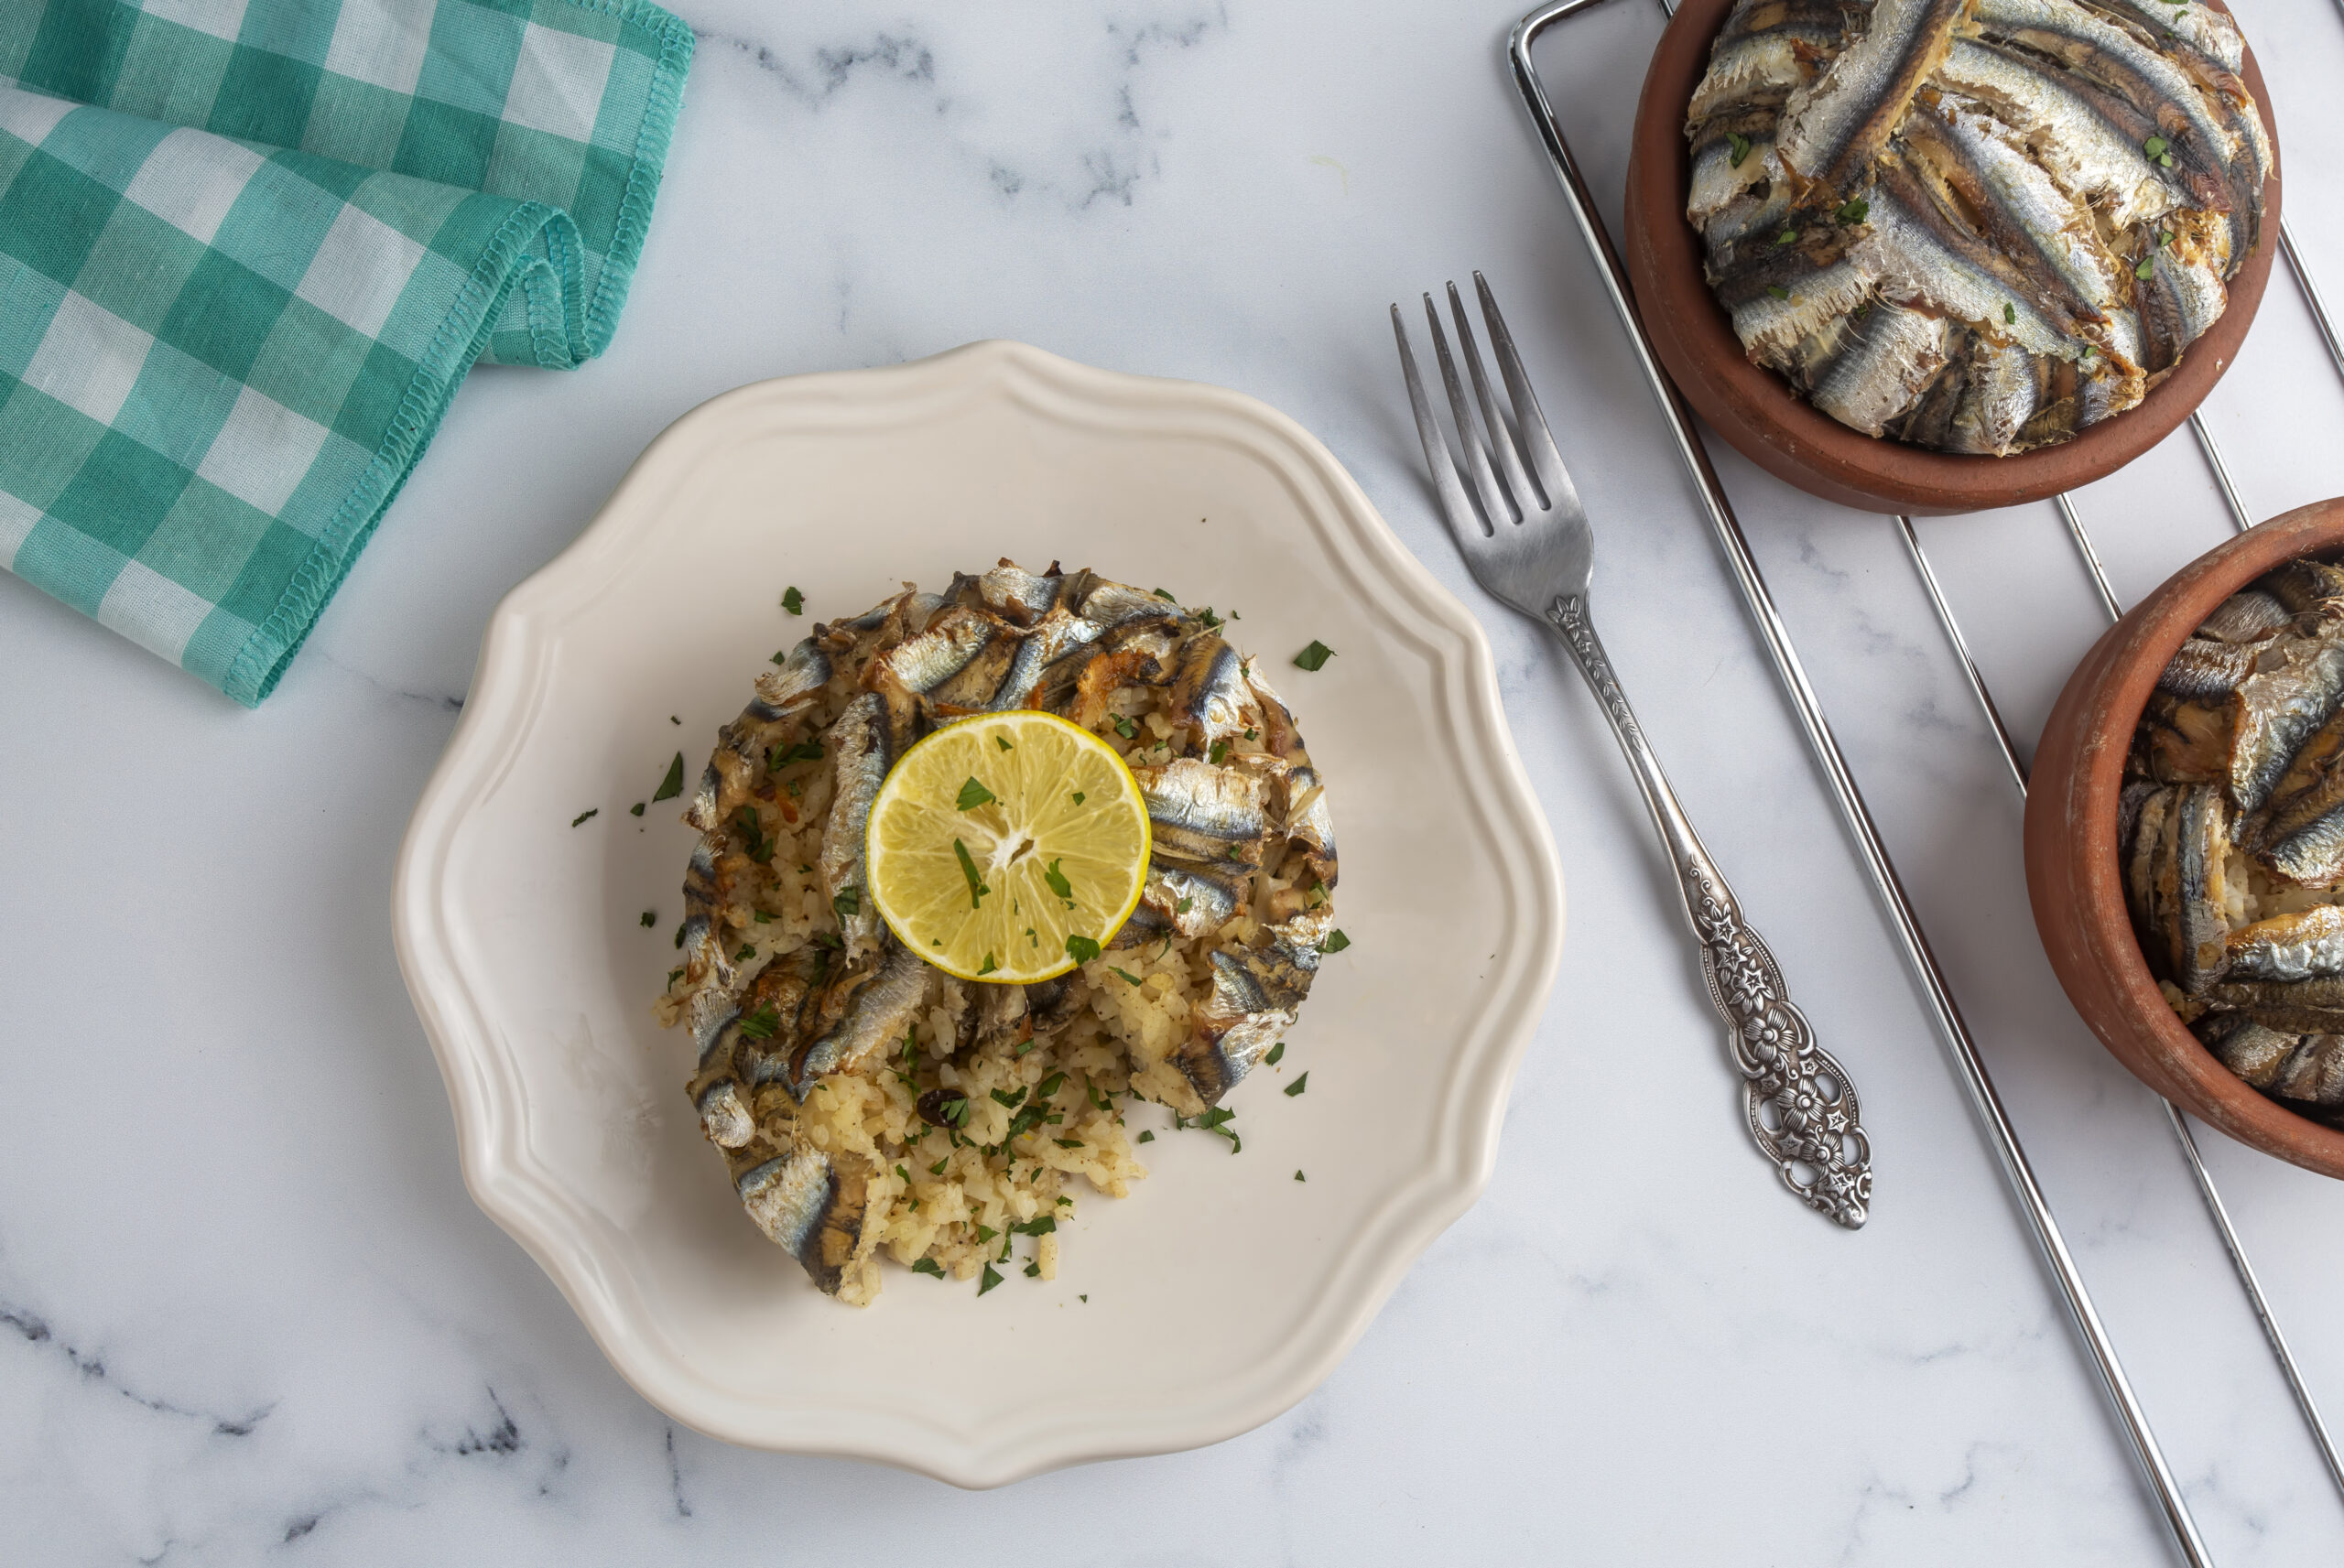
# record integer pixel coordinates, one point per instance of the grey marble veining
(248, 1313)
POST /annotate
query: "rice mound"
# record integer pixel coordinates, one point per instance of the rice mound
(966, 1129)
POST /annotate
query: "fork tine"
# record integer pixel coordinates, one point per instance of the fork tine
(1477, 462)
(1553, 477)
(1454, 502)
(1509, 464)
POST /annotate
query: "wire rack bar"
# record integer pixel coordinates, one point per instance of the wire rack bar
(1855, 816)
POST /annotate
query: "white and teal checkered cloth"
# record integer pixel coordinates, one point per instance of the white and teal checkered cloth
(248, 248)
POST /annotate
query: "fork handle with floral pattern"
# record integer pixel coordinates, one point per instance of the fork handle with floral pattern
(1801, 1106)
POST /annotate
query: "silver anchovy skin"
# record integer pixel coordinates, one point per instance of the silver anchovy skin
(1209, 690)
(2061, 228)
(1192, 901)
(2247, 616)
(1890, 357)
(1013, 591)
(1256, 995)
(2255, 1052)
(880, 1012)
(1764, 65)
(1056, 635)
(2207, 30)
(1203, 813)
(2205, 667)
(2289, 947)
(1719, 181)
(2086, 154)
(2314, 1073)
(1836, 125)
(860, 759)
(723, 1118)
(801, 1200)
(927, 660)
(2280, 708)
(1915, 264)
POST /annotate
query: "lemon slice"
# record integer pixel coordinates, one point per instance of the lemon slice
(998, 838)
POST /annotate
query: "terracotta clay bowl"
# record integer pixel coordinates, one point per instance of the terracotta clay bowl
(2072, 878)
(1756, 410)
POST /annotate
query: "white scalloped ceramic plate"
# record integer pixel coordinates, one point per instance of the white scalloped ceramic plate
(1223, 1290)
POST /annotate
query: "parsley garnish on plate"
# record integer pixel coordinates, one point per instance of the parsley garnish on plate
(583, 816)
(1002, 742)
(650, 918)
(975, 794)
(673, 784)
(1296, 1087)
(1081, 949)
(1144, 1137)
(1277, 1052)
(1336, 941)
(1165, 593)
(1314, 656)
(1058, 885)
(928, 1266)
(1297, 1175)
(793, 601)
(991, 1278)
(635, 810)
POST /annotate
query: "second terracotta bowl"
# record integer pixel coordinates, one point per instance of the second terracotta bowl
(1755, 409)
(2072, 875)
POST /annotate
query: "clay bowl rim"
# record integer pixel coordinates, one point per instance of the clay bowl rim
(2155, 628)
(1759, 415)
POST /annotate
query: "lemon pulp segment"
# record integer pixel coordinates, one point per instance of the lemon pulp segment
(997, 839)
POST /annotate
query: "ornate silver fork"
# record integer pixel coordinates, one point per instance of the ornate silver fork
(1533, 549)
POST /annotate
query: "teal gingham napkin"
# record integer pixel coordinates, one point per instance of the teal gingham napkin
(249, 248)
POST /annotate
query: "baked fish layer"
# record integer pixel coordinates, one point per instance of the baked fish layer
(865, 1100)
(1980, 226)
(2230, 835)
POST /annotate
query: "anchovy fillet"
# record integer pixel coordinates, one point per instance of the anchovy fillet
(861, 754)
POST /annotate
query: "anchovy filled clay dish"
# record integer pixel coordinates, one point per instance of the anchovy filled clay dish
(1977, 226)
(2231, 836)
(977, 870)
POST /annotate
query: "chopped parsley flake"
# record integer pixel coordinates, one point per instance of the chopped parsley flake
(2148, 264)
(928, 1266)
(975, 794)
(748, 951)
(986, 1233)
(761, 1024)
(1058, 885)
(1205, 615)
(2010, 314)
(673, 976)
(1077, 797)
(1297, 1175)
(1011, 1101)
(1778, 291)
(1041, 1227)
(1336, 941)
(991, 1278)
(847, 904)
(1002, 742)
(2155, 146)
(780, 757)
(1166, 594)
(1277, 1052)
(1182, 907)
(673, 784)
(650, 918)
(1067, 1142)
(1314, 656)
(938, 1169)
(1127, 974)
(583, 816)
(1296, 1087)
(680, 933)
(1145, 1138)
(1788, 236)
(1855, 212)
(1220, 750)
(977, 889)
(757, 846)
(1050, 1086)
(1034, 1270)
(988, 966)
(1081, 949)
(1126, 728)
(635, 810)
(793, 601)
(1741, 145)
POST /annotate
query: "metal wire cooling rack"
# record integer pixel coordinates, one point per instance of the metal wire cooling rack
(1857, 819)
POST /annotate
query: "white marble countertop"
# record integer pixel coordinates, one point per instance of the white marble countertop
(247, 1307)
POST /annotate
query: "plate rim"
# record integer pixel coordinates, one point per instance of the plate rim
(508, 684)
